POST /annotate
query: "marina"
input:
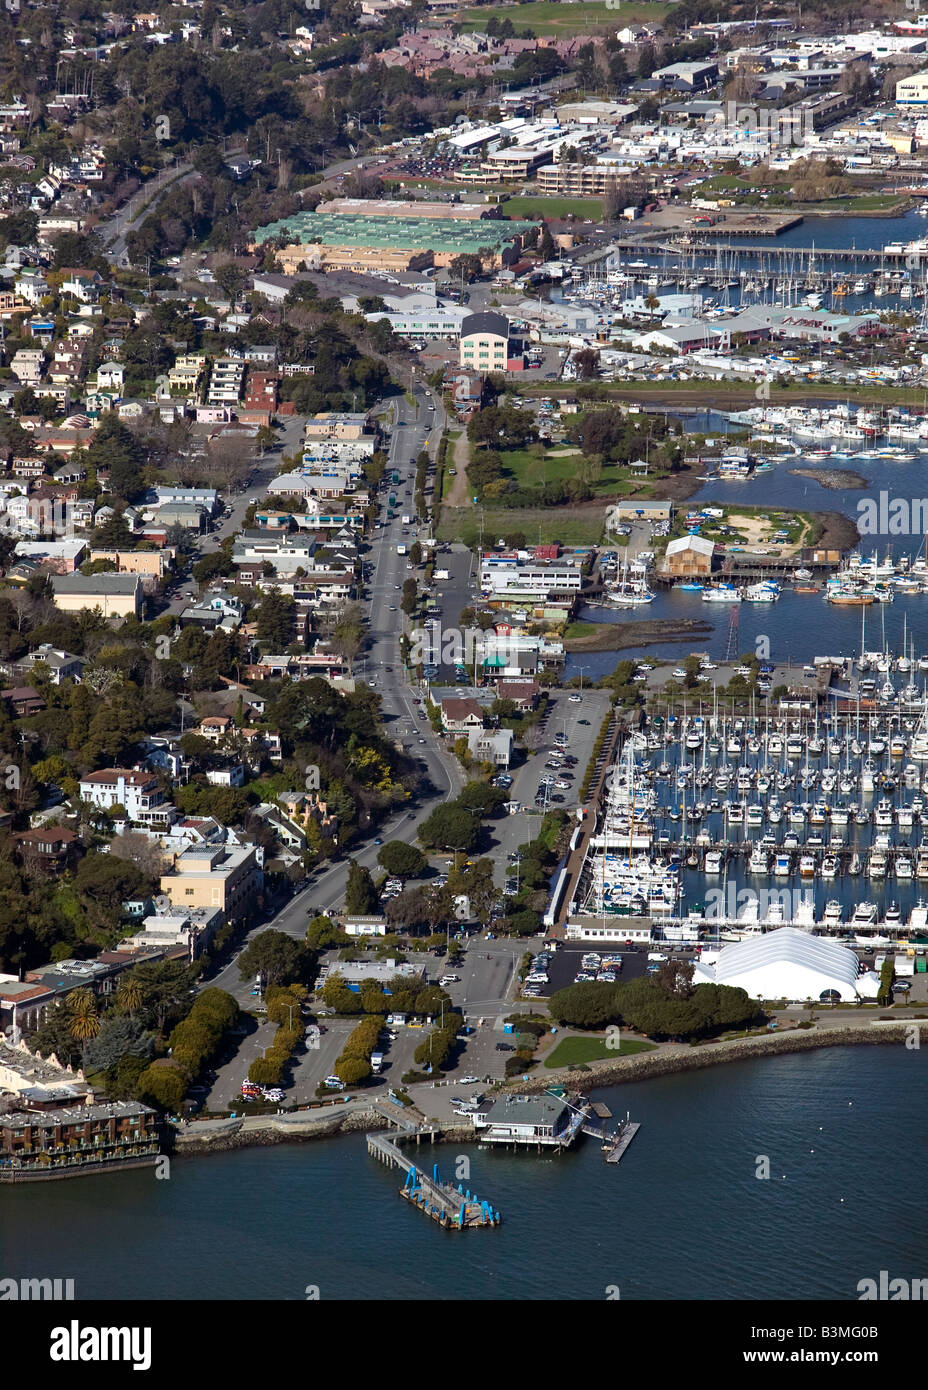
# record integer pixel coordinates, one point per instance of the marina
(716, 827)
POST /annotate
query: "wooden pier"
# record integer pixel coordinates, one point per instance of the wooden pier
(455, 1208)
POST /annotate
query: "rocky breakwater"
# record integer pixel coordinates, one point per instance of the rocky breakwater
(240, 1132)
(677, 1057)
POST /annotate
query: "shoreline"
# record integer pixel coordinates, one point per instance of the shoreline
(643, 1066)
(615, 636)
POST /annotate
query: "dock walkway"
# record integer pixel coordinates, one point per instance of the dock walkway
(452, 1207)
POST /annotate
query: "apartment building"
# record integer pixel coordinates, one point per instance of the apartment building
(226, 877)
(186, 373)
(226, 380)
(116, 595)
(332, 424)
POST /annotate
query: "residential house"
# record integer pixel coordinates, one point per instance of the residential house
(139, 793)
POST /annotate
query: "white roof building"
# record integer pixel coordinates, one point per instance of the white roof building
(789, 964)
(701, 544)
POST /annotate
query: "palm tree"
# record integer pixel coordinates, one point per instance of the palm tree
(129, 995)
(651, 303)
(85, 1021)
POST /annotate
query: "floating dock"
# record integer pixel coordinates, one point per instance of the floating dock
(622, 1140)
(455, 1208)
(616, 1142)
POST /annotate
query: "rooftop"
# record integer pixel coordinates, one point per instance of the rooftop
(412, 233)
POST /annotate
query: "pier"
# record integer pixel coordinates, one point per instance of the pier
(616, 1142)
(623, 1139)
(455, 1208)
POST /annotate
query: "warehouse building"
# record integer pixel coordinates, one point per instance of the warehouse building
(394, 207)
(345, 241)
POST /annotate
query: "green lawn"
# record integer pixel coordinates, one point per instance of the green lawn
(565, 20)
(582, 629)
(529, 471)
(570, 1051)
(541, 526)
(544, 206)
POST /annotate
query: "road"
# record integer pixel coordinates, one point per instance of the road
(114, 230)
(413, 427)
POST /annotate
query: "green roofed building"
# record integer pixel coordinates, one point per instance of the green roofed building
(343, 241)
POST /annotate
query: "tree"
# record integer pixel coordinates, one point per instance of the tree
(230, 278)
(163, 1085)
(119, 1036)
(592, 1005)
(675, 977)
(360, 893)
(481, 797)
(275, 956)
(265, 1071)
(402, 860)
(85, 1021)
(410, 597)
(129, 995)
(352, 1070)
(466, 267)
(449, 827)
(586, 362)
(275, 620)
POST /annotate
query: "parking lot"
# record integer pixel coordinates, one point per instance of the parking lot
(564, 964)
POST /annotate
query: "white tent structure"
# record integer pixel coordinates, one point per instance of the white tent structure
(789, 964)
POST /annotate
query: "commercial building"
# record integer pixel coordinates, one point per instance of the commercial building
(508, 577)
(394, 207)
(488, 345)
(913, 91)
(688, 557)
(429, 320)
(545, 1121)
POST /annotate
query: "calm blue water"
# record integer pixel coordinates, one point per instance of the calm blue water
(781, 487)
(799, 626)
(682, 1217)
(840, 233)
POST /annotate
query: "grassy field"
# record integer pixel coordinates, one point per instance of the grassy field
(540, 526)
(563, 19)
(543, 205)
(529, 471)
(570, 1051)
(581, 629)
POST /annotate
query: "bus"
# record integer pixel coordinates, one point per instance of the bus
(396, 478)
(391, 500)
